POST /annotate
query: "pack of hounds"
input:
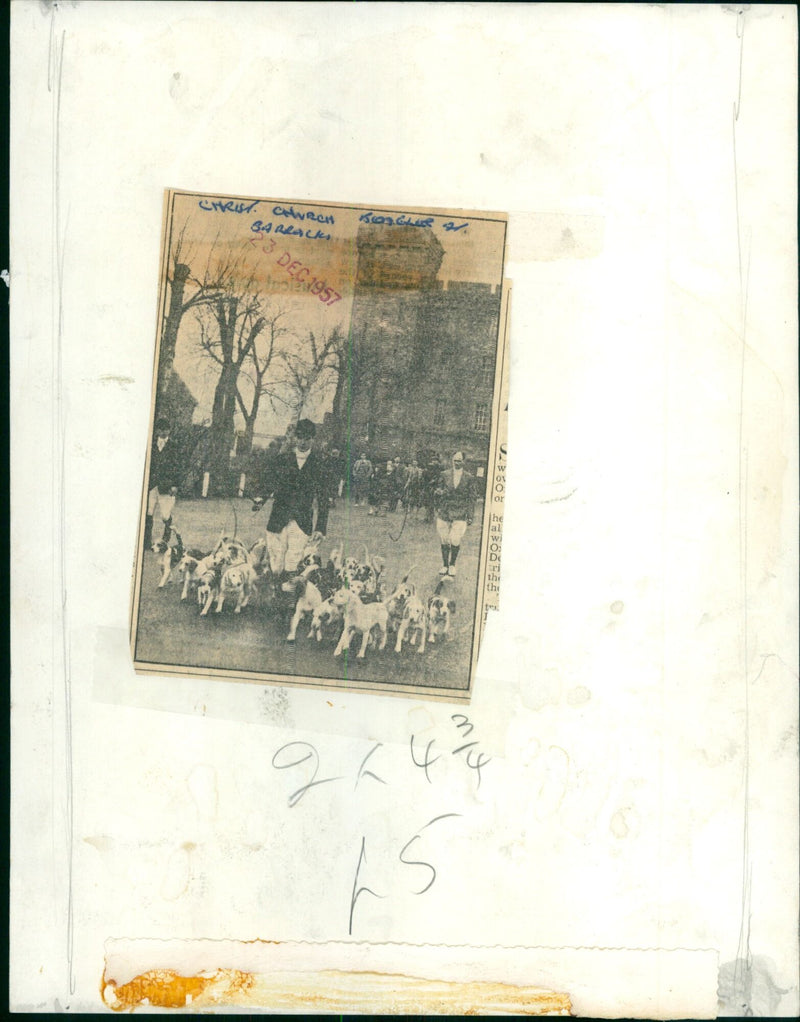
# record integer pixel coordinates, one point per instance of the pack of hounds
(343, 599)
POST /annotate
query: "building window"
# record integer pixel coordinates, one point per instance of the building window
(438, 413)
(482, 417)
(487, 370)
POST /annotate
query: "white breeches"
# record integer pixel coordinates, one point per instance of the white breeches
(450, 533)
(285, 548)
(165, 502)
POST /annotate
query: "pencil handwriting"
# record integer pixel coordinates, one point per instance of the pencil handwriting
(362, 772)
(474, 758)
(427, 761)
(416, 864)
(360, 890)
(301, 752)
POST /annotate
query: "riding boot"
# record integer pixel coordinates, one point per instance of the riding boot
(167, 529)
(270, 589)
(284, 602)
(148, 531)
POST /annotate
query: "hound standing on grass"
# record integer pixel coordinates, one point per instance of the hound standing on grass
(193, 566)
(359, 617)
(407, 616)
(239, 581)
(207, 590)
(170, 555)
(440, 611)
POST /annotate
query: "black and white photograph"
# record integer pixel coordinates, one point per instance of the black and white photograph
(326, 392)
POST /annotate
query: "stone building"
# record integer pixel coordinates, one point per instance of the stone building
(422, 358)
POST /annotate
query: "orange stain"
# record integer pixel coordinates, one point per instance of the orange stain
(330, 991)
(164, 988)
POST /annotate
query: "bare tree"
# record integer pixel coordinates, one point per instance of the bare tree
(313, 366)
(189, 289)
(257, 376)
(228, 328)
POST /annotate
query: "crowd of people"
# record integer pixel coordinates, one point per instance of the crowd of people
(306, 479)
(396, 482)
(443, 490)
(383, 485)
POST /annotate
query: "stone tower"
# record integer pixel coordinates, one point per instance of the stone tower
(396, 272)
(420, 360)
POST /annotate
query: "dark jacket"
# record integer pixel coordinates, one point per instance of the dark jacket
(295, 489)
(455, 504)
(362, 470)
(165, 469)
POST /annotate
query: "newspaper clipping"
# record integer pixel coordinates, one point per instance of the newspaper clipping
(324, 477)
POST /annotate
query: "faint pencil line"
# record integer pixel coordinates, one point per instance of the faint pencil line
(58, 452)
(743, 949)
(555, 500)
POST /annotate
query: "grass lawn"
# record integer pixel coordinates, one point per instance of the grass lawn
(173, 633)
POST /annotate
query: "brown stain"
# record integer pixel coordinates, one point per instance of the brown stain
(331, 991)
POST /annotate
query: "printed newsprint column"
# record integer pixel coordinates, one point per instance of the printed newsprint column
(323, 445)
(497, 483)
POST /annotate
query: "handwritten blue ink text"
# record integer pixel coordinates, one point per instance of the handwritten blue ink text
(229, 206)
(396, 221)
(259, 227)
(307, 215)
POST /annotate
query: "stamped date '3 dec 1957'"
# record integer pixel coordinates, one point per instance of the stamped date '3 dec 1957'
(301, 273)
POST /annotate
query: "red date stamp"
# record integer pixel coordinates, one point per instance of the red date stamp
(301, 273)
